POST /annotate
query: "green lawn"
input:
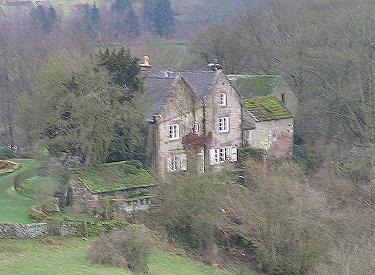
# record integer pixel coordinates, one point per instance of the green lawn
(68, 256)
(36, 184)
(113, 176)
(13, 206)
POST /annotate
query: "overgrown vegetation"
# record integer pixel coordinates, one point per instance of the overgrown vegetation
(129, 248)
(70, 256)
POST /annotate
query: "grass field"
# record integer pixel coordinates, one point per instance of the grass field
(13, 206)
(68, 256)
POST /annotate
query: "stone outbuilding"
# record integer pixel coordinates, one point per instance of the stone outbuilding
(268, 125)
(249, 86)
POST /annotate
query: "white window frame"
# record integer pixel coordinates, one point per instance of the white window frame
(223, 100)
(177, 163)
(174, 132)
(196, 127)
(223, 124)
(248, 135)
(225, 154)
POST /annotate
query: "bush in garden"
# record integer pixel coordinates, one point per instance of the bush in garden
(129, 248)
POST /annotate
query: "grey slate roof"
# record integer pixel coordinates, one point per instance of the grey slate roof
(156, 93)
(158, 84)
(200, 82)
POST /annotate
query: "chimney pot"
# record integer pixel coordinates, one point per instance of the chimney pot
(215, 65)
(146, 63)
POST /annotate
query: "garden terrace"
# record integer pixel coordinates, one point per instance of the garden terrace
(116, 176)
(266, 108)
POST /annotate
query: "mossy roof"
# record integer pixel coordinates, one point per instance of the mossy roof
(114, 177)
(266, 108)
(254, 85)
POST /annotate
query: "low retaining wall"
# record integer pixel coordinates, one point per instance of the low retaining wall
(57, 228)
(126, 200)
(23, 231)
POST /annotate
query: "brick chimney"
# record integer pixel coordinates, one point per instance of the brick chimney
(145, 66)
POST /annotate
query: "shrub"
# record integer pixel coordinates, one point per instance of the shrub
(37, 215)
(248, 242)
(127, 248)
(90, 229)
(305, 157)
(105, 209)
(6, 153)
(136, 163)
(190, 211)
(257, 154)
(65, 195)
(46, 203)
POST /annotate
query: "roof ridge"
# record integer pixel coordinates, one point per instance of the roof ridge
(159, 77)
(252, 75)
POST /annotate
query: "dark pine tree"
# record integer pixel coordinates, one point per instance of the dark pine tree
(119, 6)
(132, 22)
(127, 20)
(91, 18)
(52, 17)
(41, 16)
(123, 69)
(160, 18)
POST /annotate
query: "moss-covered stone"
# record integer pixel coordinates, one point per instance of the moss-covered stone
(266, 108)
(115, 176)
(255, 85)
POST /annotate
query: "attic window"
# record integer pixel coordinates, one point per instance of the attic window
(223, 100)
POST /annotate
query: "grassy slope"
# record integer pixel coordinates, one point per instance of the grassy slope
(13, 206)
(40, 184)
(68, 256)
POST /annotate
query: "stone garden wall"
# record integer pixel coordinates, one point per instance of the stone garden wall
(23, 231)
(122, 198)
(57, 228)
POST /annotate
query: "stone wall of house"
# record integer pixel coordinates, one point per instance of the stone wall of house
(275, 136)
(213, 111)
(290, 99)
(184, 108)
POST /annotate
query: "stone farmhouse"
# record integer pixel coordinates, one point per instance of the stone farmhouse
(199, 120)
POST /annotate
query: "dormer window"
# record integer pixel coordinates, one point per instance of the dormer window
(174, 132)
(223, 100)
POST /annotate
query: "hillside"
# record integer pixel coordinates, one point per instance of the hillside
(68, 256)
